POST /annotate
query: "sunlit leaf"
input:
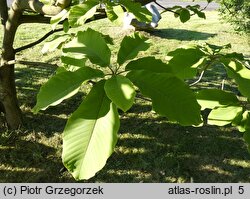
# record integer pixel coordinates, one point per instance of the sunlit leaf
(62, 86)
(185, 61)
(90, 135)
(140, 12)
(211, 98)
(240, 74)
(121, 91)
(131, 46)
(222, 116)
(171, 97)
(92, 45)
(79, 14)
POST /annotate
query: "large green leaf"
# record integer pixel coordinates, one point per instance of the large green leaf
(91, 44)
(184, 61)
(140, 12)
(170, 96)
(240, 74)
(131, 46)
(242, 121)
(115, 13)
(78, 14)
(90, 135)
(222, 116)
(211, 98)
(150, 64)
(73, 60)
(121, 91)
(62, 86)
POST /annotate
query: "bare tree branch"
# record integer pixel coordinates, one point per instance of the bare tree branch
(166, 9)
(38, 41)
(95, 17)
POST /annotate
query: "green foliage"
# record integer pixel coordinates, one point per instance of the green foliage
(91, 132)
(141, 13)
(130, 47)
(170, 96)
(184, 61)
(236, 12)
(91, 45)
(121, 91)
(222, 116)
(62, 86)
(79, 14)
(213, 98)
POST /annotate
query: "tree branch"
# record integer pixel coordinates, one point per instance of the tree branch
(166, 9)
(38, 41)
(31, 63)
(3, 11)
(34, 19)
(39, 7)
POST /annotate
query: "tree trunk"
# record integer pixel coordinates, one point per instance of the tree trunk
(10, 21)
(8, 96)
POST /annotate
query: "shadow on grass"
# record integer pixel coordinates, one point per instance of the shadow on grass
(181, 34)
(149, 149)
(28, 160)
(152, 150)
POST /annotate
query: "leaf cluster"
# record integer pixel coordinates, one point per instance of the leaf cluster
(90, 134)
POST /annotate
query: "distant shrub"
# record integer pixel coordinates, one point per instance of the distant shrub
(236, 12)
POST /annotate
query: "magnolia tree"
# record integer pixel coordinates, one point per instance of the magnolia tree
(90, 135)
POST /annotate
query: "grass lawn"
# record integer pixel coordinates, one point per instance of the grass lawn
(150, 149)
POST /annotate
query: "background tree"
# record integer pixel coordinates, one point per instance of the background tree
(236, 12)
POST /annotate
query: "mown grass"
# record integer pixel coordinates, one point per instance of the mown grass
(150, 149)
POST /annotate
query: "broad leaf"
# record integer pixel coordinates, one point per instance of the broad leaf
(55, 43)
(222, 116)
(92, 45)
(170, 96)
(62, 86)
(121, 91)
(196, 10)
(150, 64)
(115, 14)
(184, 15)
(73, 60)
(242, 121)
(131, 46)
(211, 98)
(240, 74)
(185, 61)
(79, 14)
(90, 135)
(140, 12)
